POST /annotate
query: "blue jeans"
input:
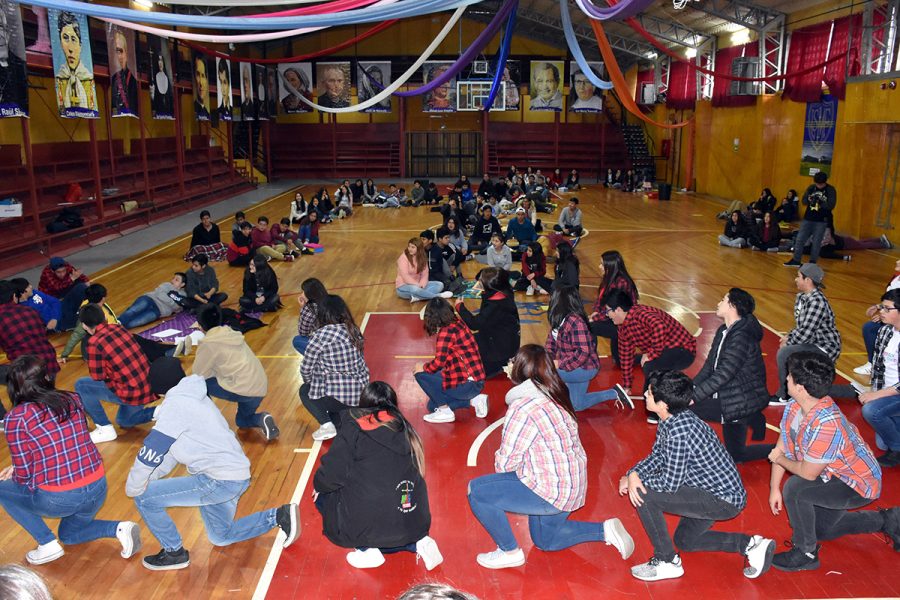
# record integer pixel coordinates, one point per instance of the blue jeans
(492, 496)
(300, 343)
(92, 392)
(577, 381)
(143, 311)
(869, 333)
(246, 413)
(813, 231)
(217, 501)
(76, 510)
(458, 397)
(431, 290)
(305, 233)
(884, 417)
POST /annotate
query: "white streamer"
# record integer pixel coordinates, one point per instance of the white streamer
(395, 85)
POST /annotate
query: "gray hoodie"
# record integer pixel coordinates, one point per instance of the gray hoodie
(189, 430)
(160, 296)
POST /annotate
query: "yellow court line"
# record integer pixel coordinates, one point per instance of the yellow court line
(773, 428)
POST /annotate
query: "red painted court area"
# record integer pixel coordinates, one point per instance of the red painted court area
(855, 566)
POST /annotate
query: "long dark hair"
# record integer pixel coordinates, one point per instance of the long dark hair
(334, 311)
(565, 301)
(537, 252)
(265, 276)
(379, 396)
(314, 290)
(28, 381)
(438, 314)
(566, 253)
(614, 268)
(493, 280)
(532, 362)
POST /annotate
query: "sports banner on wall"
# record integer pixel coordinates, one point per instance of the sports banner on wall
(333, 84)
(584, 95)
(73, 67)
(818, 136)
(123, 81)
(13, 70)
(262, 92)
(162, 88)
(248, 104)
(371, 78)
(442, 98)
(546, 85)
(223, 89)
(294, 81)
(200, 79)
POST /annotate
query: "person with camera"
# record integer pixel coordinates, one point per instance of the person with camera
(820, 199)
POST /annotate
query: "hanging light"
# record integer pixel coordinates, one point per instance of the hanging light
(690, 52)
(144, 4)
(740, 37)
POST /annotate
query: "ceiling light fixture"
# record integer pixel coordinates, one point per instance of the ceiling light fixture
(690, 52)
(144, 4)
(740, 37)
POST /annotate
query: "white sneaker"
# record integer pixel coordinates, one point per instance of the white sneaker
(865, 369)
(129, 535)
(655, 569)
(480, 404)
(778, 401)
(442, 414)
(197, 336)
(155, 416)
(413, 299)
(366, 559)
(104, 433)
(445, 294)
(427, 549)
(45, 553)
(324, 432)
(759, 555)
(499, 559)
(860, 388)
(615, 535)
(529, 291)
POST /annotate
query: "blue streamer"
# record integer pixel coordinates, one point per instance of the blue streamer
(502, 55)
(575, 49)
(401, 10)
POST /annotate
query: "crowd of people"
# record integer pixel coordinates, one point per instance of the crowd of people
(371, 487)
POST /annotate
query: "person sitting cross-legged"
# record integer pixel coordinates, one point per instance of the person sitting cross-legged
(191, 431)
(202, 285)
(832, 470)
(260, 287)
(688, 473)
(570, 219)
(232, 372)
(541, 470)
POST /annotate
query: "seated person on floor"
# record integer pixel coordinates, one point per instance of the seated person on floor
(260, 287)
(765, 203)
(94, 294)
(457, 239)
(570, 219)
(567, 269)
(789, 209)
(165, 300)
(240, 250)
(496, 325)
(206, 239)
(48, 307)
(370, 192)
(487, 186)
(522, 231)
(299, 209)
(432, 195)
(451, 210)
(202, 285)
(573, 181)
(413, 270)
(357, 190)
(264, 242)
(534, 269)
(497, 254)
(389, 199)
(343, 200)
(736, 232)
(283, 234)
(309, 232)
(871, 327)
(451, 255)
(768, 235)
(370, 486)
(486, 226)
(67, 284)
(239, 219)
(417, 193)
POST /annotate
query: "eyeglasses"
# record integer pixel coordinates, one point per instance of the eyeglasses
(883, 308)
(606, 311)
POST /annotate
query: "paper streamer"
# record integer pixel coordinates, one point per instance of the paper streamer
(502, 56)
(575, 48)
(622, 10)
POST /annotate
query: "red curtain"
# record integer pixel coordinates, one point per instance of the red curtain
(722, 87)
(642, 78)
(809, 46)
(847, 33)
(682, 92)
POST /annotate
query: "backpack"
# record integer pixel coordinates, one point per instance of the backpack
(239, 321)
(68, 218)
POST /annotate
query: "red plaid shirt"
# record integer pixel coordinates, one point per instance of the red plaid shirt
(56, 287)
(23, 332)
(114, 358)
(619, 283)
(573, 345)
(652, 330)
(47, 453)
(456, 356)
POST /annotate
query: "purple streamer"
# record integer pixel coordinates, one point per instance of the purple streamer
(622, 10)
(468, 56)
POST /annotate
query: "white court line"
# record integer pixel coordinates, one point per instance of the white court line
(182, 238)
(472, 459)
(302, 450)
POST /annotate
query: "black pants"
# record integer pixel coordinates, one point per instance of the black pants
(671, 359)
(195, 306)
(153, 349)
(576, 230)
(249, 304)
(698, 510)
(735, 432)
(608, 329)
(325, 409)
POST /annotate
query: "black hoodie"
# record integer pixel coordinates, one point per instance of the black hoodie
(371, 493)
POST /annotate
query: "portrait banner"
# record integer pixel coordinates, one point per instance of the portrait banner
(271, 92)
(73, 67)
(262, 92)
(371, 79)
(512, 76)
(443, 98)
(13, 70)
(546, 85)
(248, 104)
(333, 84)
(162, 88)
(200, 80)
(584, 95)
(818, 136)
(294, 81)
(223, 89)
(123, 81)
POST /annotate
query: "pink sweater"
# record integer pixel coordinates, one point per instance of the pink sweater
(406, 273)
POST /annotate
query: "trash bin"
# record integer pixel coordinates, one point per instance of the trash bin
(665, 191)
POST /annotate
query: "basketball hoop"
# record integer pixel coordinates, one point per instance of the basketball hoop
(679, 4)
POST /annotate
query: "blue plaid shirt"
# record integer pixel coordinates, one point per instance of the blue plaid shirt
(688, 452)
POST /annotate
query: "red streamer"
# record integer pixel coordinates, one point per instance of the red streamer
(319, 9)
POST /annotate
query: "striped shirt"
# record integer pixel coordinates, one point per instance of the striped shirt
(825, 436)
(540, 444)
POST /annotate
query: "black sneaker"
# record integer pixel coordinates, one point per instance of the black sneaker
(653, 418)
(792, 263)
(623, 396)
(288, 518)
(269, 428)
(776, 400)
(168, 561)
(307, 251)
(891, 525)
(796, 559)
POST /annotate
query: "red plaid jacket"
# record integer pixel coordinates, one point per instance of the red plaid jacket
(23, 332)
(56, 287)
(114, 358)
(456, 356)
(652, 330)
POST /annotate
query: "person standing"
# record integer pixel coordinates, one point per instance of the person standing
(820, 198)
(56, 470)
(689, 474)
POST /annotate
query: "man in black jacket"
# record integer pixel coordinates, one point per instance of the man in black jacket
(486, 226)
(731, 387)
(820, 199)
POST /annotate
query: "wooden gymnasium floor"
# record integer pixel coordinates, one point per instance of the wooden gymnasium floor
(671, 252)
